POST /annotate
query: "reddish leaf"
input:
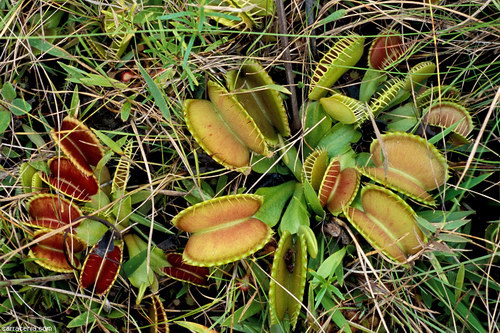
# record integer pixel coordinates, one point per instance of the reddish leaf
(158, 316)
(345, 190)
(413, 165)
(67, 179)
(223, 230)
(79, 143)
(214, 136)
(50, 251)
(51, 211)
(387, 222)
(329, 181)
(98, 273)
(184, 272)
(385, 50)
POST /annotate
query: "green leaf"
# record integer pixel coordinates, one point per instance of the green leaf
(337, 316)
(49, 48)
(8, 91)
(452, 225)
(100, 81)
(459, 281)
(439, 216)
(275, 199)
(34, 136)
(329, 265)
(112, 144)
(20, 107)
(402, 125)
(466, 185)
(453, 238)
(276, 87)
(125, 111)
(156, 92)
(296, 213)
(369, 84)
(85, 318)
(75, 103)
(243, 313)
(76, 73)
(5, 118)
(426, 224)
(338, 139)
(312, 199)
(336, 15)
(317, 123)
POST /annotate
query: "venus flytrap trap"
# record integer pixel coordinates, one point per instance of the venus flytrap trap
(222, 230)
(408, 164)
(387, 222)
(288, 278)
(447, 114)
(250, 85)
(337, 60)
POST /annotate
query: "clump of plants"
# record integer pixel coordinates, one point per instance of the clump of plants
(248, 166)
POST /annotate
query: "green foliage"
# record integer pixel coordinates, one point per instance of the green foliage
(124, 70)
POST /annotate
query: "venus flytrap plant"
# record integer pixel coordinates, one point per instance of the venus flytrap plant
(141, 276)
(288, 278)
(224, 129)
(437, 94)
(49, 252)
(385, 50)
(343, 54)
(446, 114)
(314, 167)
(177, 269)
(417, 75)
(408, 164)
(387, 222)
(345, 109)
(222, 230)
(251, 86)
(158, 316)
(102, 264)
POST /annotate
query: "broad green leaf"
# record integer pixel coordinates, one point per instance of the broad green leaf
(329, 265)
(338, 139)
(49, 48)
(312, 199)
(296, 213)
(20, 107)
(85, 318)
(439, 216)
(402, 125)
(8, 91)
(452, 225)
(99, 80)
(275, 199)
(125, 111)
(76, 73)
(369, 84)
(336, 15)
(34, 136)
(453, 238)
(5, 118)
(317, 123)
(426, 224)
(156, 92)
